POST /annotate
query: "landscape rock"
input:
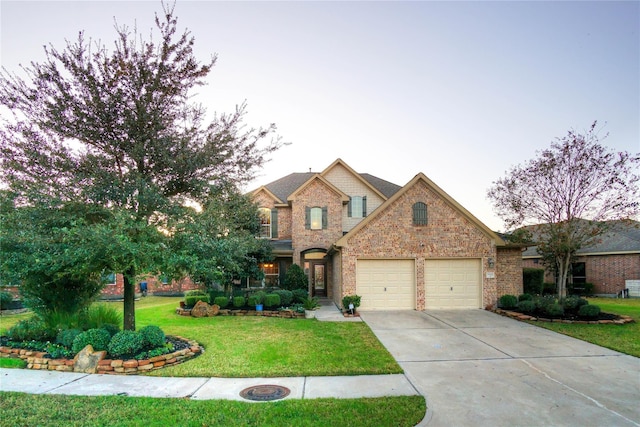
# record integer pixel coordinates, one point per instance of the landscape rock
(201, 309)
(86, 361)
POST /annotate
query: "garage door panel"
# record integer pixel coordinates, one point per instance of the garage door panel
(386, 284)
(453, 283)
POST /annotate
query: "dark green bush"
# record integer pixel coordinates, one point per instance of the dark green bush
(299, 295)
(66, 336)
(126, 343)
(222, 302)
(272, 300)
(508, 301)
(286, 297)
(191, 300)
(525, 297)
(554, 310)
(5, 300)
(549, 289)
(153, 336)
(239, 302)
(584, 289)
(589, 311)
(351, 299)
(256, 298)
(526, 306)
(573, 303)
(32, 329)
(98, 338)
(532, 279)
(112, 329)
(58, 351)
(295, 278)
(542, 302)
(195, 292)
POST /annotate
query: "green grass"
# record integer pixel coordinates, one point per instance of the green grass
(55, 410)
(7, 362)
(622, 338)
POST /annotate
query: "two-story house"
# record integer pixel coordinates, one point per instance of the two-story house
(410, 247)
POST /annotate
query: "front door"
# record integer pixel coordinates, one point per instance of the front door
(319, 280)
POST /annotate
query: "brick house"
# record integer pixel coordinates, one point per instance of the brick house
(410, 247)
(610, 264)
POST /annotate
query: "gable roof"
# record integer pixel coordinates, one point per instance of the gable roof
(622, 237)
(284, 187)
(318, 177)
(455, 205)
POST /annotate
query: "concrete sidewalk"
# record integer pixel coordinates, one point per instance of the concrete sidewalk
(69, 383)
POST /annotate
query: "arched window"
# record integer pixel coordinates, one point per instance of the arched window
(419, 213)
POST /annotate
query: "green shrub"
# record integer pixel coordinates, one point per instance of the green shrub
(191, 300)
(239, 302)
(153, 337)
(542, 302)
(295, 278)
(99, 315)
(554, 310)
(126, 343)
(59, 319)
(310, 303)
(66, 336)
(222, 302)
(5, 300)
(508, 302)
(299, 295)
(57, 351)
(98, 338)
(112, 329)
(256, 298)
(532, 280)
(526, 306)
(589, 311)
(549, 289)
(32, 329)
(351, 299)
(573, 303)
(194, 292)
(286, 297)
(272, 300)
(525, 297)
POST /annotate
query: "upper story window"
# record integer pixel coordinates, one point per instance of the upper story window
(316, 218)
(357, 207)
(268, 223)
(419, 213)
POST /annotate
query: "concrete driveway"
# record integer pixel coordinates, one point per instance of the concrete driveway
(477, 368)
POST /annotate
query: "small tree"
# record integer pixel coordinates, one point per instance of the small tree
(295, 278)
(569, 192)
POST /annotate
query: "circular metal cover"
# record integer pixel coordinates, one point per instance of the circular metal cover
(265, 392)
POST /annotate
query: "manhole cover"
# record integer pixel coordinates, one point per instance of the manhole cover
(264, 393)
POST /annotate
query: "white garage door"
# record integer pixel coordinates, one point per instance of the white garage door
(453, 283)
(386, 284)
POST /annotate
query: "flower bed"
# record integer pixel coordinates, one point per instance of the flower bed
(621, 320)
(287, 314)
(39, 360)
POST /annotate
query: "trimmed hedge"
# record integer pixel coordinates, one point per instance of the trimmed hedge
(272, 300)
(126, 343)
(589, 311)
(153, 336)
(508, 301)
(239, 302)
(532, 280)
(98, 338)
(191, 300)
(222, 302)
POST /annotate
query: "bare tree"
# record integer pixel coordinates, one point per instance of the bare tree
(568, 193)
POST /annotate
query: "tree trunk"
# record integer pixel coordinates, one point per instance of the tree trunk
(129, 303)
(563, 272)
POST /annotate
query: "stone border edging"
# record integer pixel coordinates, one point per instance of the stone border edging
(285, 314)
(521, 316)
(37, 360)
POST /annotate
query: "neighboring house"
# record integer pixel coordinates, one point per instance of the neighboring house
(410, 247)
(610, 263)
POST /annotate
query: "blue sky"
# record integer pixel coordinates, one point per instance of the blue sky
(460, 91)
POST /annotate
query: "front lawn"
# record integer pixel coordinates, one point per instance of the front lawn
(622, 338)
(263, 346)
(55, 410)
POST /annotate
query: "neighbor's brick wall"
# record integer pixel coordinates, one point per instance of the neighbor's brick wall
(509, 271)
(448, 235)
(316, 194)
(607, 272)
(154, 287)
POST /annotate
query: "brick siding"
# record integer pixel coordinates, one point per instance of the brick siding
(509, 271)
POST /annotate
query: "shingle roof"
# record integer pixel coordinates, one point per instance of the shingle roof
(624, 236)
(282, 188)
